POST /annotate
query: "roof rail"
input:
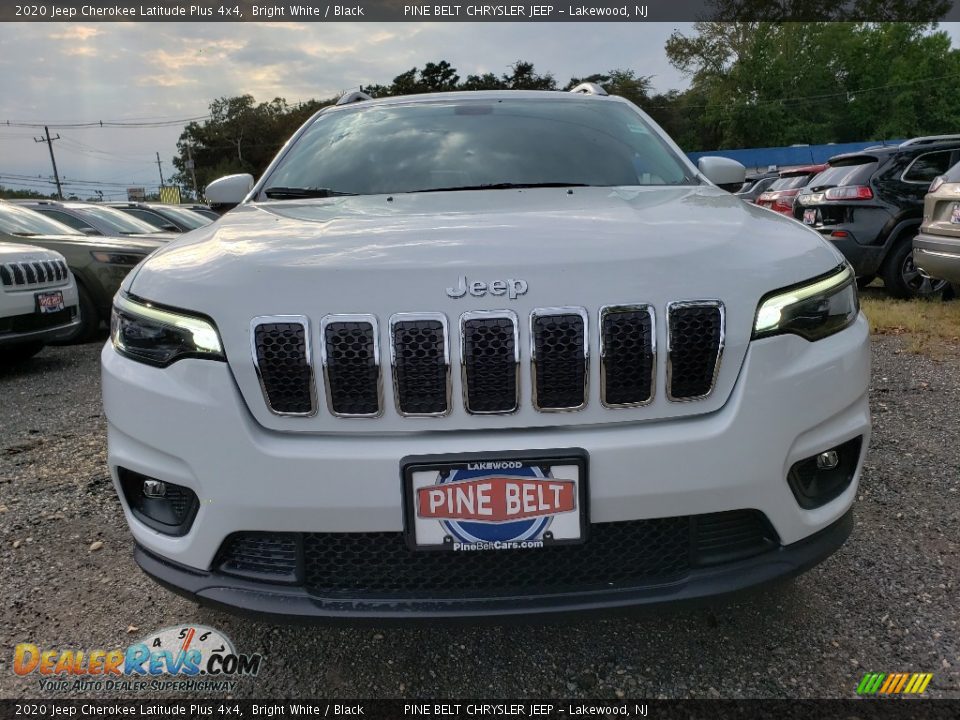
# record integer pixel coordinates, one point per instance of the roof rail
(589, 88)
(926, 140)
(352, 97)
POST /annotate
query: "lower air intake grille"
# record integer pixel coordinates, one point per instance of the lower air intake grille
(559, 359)
(490, 362)
(696, 340)
(352, 365)
(420, 366)
(283, 362)
(627, 356)
(633, 553)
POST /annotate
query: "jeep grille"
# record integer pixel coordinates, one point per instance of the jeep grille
(490, 371)
(37, 272)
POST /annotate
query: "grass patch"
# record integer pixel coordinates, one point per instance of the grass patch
(931, 327)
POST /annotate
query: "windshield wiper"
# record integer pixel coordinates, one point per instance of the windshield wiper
(25, 234)
(503, 186)
(290, 193)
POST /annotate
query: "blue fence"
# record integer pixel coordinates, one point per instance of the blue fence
(761, 158)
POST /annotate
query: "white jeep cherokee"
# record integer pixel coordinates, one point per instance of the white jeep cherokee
(38, 300)
(485, 353)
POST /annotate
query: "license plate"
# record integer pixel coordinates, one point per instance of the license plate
(955, 215)
(514, 501)
(809, 217)
(50, 302)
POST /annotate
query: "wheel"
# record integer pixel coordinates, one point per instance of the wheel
(903, 279)
(20, 352)
(865, 280)
(89, 321)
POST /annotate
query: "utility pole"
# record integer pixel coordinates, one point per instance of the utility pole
(49, 141)
(160, 169)
(193, 173)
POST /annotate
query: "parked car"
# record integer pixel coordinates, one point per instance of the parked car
(869, 204)
(99, 264)
(754, 185)
(38, 300)
(168, 218)
(552, 366)
(204, 210)
(782, 192)
(95, 219)
(936, 250)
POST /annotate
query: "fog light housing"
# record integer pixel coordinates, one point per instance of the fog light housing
(163, 506)
(823, 477)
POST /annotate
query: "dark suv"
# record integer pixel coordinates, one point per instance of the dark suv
(870, 205)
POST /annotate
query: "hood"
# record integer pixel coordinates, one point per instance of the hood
(18, 252)
(584, 247)
(144, 244)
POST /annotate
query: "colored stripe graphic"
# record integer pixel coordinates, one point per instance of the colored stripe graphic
(894, 683)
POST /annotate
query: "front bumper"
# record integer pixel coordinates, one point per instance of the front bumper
(295, 604)
(21, 322)
(188, 424)
(938, 256)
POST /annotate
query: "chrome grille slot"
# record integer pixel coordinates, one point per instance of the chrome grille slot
(490, 356)
(628, 356)
(558, 358)
(695, 335)
(350, 349)
(419, 350)
(281, 351)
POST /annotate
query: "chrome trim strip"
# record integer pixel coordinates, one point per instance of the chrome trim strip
(606, 310)
(304, 321)
(397, 318)
(486, 315)
(546, 312)
(716, 367)
(375, 326)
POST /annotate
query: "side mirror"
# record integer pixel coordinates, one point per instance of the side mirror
(723, 172)
(229, 190)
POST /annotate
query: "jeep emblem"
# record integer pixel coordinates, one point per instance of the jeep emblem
(509, 287)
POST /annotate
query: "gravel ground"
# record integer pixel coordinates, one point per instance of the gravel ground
(888, 601)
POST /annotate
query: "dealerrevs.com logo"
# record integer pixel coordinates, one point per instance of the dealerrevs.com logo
(187, 658)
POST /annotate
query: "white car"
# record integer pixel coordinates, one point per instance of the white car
(487, 353)
(38, 300)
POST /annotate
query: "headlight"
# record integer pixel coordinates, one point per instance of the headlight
(157, 336)
(112, 258)
(813, 310)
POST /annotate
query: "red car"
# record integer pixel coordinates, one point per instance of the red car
(781, 194)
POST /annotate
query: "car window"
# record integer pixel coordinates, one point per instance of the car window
(926, 167)
(189, 218)
(443, 144)
(16, 220)
(846, 172)
(789, 183)
(118, 222)
(155, 220)
(67, 219)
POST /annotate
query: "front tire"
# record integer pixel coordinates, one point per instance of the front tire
(89, 321)
(903, 278)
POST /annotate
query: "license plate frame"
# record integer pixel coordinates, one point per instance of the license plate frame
(809, 216)
(423, 472)
(955, 214)
(45, 307)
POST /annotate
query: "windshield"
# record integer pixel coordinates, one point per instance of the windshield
(118, 222)
(475, 143)
(24, 222)
(789, 183)
(189, 218)
(845, 174)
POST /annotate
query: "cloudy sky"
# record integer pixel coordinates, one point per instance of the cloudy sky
(72, 73)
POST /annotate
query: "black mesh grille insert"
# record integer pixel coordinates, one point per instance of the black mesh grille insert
(353, 370)
(6, 277)
(490, 364)
(271, 557)
(284, 368)
(633, 553)
(695, 333)
(561, 366)
(420, 366)
(628, 362)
